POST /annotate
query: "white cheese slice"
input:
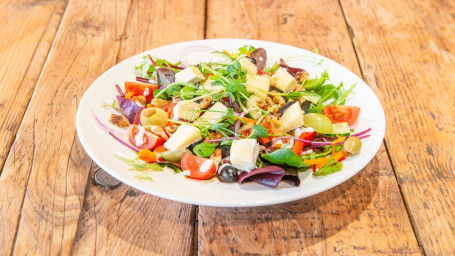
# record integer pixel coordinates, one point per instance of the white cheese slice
(189, 75)
(292, 117)
(184, 136)
(213, 117)
(283, 80)
(248, 65)
(258, 85)
(186, 110)
(244, 154)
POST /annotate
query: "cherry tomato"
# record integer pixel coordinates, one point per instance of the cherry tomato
(342, 113)
(298, 145)
(194, 163)
(139, 88)
(150, 140)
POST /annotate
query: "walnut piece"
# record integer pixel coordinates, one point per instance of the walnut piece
(159, 103)
(171, 129)
(216, 155)
(119, 120)
(206, 102)
(301, 76)
(140, 99)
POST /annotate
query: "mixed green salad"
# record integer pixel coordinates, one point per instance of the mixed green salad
(235, 117)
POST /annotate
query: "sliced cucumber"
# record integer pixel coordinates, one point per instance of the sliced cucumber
(311, 96)
(255, 114)
(220, 58)
(340, 129)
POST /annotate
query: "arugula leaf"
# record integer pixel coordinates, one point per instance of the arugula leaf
(204, 149)
(140, 165)
(226, 142)
(330, 167)
(316, 108)
(143, 176)
(218, 126)
(343, 94)
(229, 116)
(307, 95)
(235, 88)
(272, 68)
(113, 105)
(187, 92)
(261, 131)
(162, 95)
(326, 150)
(285, 156)
(246, 48)
(173, 167)
(315, 84)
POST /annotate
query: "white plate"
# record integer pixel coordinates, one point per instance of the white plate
(101, 146)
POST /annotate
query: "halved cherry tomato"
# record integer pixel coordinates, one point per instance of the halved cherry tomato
(194, 163)
(342, 113)
(150, 140)
(139, 88)
(298, 145)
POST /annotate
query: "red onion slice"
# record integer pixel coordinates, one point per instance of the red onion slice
(192, 50)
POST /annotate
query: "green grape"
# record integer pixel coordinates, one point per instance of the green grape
(318, 122)
(154, 116)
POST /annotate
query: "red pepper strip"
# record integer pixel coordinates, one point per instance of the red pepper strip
(153, 62)
(314, 168)
(298, 145)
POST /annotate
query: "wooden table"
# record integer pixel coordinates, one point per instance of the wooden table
(403, 202)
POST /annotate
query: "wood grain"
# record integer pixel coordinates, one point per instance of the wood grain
(409, 59)
(28, 29)
(126, 221)
(363, 216)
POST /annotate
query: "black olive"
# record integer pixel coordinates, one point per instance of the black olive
(306, 106)
(285, 107)
(228, 173)
(225, 151)
(190, 147)
(253, 60)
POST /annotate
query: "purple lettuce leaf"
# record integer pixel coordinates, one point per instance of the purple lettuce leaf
(128, 108)
(269, 176)
(291, 70)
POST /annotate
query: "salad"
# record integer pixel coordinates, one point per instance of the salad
(235, 118)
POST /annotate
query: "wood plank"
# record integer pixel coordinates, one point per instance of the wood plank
(338, 221)
(47, 162)
(126, 221)
(28, 29)
(409, 59)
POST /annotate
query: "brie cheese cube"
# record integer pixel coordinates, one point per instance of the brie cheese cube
(209, 87)
(283, 80)
(213, 117)
(185, 110)
(292, 117)
(244, 154)
(184, 136)
(189, 75)
(248, 65)
(258, 85)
